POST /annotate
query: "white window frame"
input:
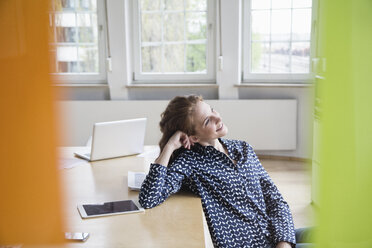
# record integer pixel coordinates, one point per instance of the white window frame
(89, 78)
(247, 76)
(188, 77)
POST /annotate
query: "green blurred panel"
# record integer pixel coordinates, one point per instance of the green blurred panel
(174, 58)
(151, 27)
(196, 58)
(174, 27)
(151, 59)
(345, 214)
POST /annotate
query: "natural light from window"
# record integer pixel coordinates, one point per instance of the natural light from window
(74, 31)
(173, 36)
(279, 40)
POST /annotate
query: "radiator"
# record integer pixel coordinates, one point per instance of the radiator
(266, 124)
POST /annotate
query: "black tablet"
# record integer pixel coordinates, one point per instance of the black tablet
(108, 208)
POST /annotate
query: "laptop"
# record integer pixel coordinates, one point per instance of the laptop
(116, 139)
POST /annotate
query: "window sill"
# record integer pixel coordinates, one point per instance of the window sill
(288, 85)
(83, 85)
(172, 86)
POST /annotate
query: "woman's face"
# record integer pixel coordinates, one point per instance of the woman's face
(208, 123)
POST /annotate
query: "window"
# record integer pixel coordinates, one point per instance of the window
(277, 35)
(77, 43)
(173, 40)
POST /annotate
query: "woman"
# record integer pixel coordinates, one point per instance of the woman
(243, 207)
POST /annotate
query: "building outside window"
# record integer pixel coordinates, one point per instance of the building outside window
(277, 37)
(77, 40)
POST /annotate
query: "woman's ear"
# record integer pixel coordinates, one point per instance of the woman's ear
(194, 139)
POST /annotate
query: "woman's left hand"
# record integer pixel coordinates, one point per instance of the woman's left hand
(283, 244)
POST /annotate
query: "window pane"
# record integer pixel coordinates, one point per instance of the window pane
(88, 5)
(88, 28)
(281, 4)
(86, 35)
(66, 34)
(261, 25)
(151, 27)
(65, 20)
(150, 4)
(279, 36)
(66, 53)
(300, 57)
(200, 5)
(281, 25)
(65, 4)
(279, 58)
(260, 57)
(174, 58)
(88, 59)
(67, 67)
(67, 59)
(84, 20)
(151, 59)
(75, 22)
(196, 24)
(196, 58)
(301, 24)
(302, 3)
(174, 34)
(173, 27)
(260, 4)
(173, 5)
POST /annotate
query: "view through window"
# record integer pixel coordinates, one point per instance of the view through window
(74, 31)
(279, 41)
(173, 36)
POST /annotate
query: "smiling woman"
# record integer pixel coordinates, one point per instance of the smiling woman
(243, 207)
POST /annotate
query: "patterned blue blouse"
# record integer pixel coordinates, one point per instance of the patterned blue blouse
(242, 206)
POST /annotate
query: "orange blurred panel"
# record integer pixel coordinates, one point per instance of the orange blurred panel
(30, 209)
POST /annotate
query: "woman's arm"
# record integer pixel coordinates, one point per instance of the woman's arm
(162, 181)
(176, 141)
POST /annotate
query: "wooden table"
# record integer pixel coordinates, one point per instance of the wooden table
(175, 223)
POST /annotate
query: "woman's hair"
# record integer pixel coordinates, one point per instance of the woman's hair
(178, 116)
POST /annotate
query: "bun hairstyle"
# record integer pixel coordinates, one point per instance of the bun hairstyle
(178, 116)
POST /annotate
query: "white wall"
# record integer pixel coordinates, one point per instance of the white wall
(265, 124)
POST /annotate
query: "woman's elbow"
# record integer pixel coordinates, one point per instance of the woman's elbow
(149, 200)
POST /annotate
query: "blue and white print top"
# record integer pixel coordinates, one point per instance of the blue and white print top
(242, 206)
